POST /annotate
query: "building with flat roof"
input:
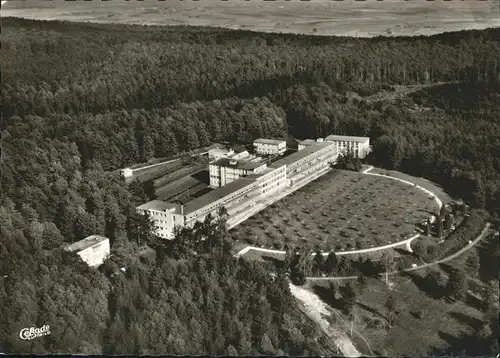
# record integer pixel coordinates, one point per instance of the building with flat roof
(307, 143)
(226, 170)
(126, 172)
(269, 146)
(359, 146)
(164, 215)
(218, 153)
(305, 161)
(93, 250)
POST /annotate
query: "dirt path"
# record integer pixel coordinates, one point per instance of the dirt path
(316, 310)
(406, 242)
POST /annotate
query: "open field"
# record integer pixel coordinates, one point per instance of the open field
(320, 17)
(442, 327)
(341, 211)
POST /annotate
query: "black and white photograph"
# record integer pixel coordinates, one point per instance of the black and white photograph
(250, 178)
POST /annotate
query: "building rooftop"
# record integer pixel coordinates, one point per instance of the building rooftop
(219, 150)
(346, 138)
(269, 141)
(308, 142)
(85, 243)
(217, 194)
(298, 155)
(248, 164)
(157, 205)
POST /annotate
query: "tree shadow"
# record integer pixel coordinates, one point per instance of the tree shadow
(431, 289)
(273, 260)
(368, 268)
(371, 310)
(463, 345)
(447, 268)
(488, 262)
(473, 301)
(468, 320)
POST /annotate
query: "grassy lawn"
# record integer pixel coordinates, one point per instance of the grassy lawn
(441, 325)
(424, 183)
(341, 211)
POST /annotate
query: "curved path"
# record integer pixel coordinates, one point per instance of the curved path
(406, 242)
(446, 259)
(434, 196)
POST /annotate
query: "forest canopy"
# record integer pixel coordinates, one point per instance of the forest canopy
(82, 100)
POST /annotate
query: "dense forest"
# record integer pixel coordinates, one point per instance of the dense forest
(82, 100)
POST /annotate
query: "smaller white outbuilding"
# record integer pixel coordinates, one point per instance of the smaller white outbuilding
(127, 172)
(93, 250)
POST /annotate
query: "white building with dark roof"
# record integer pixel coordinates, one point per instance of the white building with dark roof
(269, 146)
(93, 250)
(228, 169)
(359, 146)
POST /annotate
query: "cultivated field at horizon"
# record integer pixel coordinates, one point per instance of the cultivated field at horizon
(319, 17)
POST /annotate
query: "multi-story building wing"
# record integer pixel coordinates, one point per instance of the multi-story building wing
(269, 146)
(308, 160)
(359, 146)
(93, 250)
(226, 170)
(235, 196)
(165, 216)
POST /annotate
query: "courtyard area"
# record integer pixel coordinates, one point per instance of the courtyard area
(340, 211)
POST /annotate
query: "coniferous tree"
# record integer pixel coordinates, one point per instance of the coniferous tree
(318, 262)
(439, 227)
(331, 263)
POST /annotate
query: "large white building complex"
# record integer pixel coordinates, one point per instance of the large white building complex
(246, 188)
(269, 146)
(359, 146)
(93, 250)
